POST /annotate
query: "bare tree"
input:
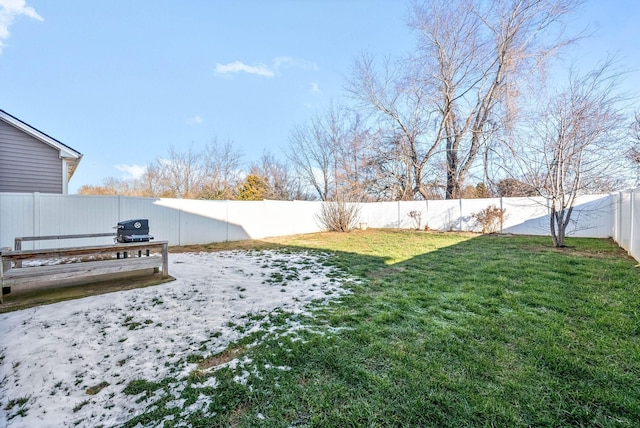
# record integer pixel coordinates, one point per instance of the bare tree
(331, 155)
(110, 186)
(152, 182)
(392, 171)
(181, 173)
(581, 139)
(222, 164)
(211, 173)
(473, 57)
(279, 181)
(633, 153)
(356, 173)
(401, 109)
(312, 150)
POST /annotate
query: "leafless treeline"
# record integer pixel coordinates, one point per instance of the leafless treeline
(468, 113)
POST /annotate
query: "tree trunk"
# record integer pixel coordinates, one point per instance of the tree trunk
(453, 185)
(559, 220)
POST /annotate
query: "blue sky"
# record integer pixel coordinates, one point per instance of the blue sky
(122, 81)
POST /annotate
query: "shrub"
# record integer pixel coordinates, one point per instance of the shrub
(417, 218)
(339, 216)
(490, 218)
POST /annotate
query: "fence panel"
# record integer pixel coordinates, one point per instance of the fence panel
(444, 215)
(592, 217)
(70, 215)
(290, 217)
(246, 220)
(526, 216)
(16, 217)
(380, 214)
(201, 222)
(626, 221)
(419, 211)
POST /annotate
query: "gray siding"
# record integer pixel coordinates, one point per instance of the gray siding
(26, 164)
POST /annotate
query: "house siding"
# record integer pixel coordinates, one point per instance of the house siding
(27, 165)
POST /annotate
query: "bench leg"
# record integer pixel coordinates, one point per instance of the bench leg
(165, 261)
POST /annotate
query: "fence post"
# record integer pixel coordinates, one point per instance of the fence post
(37, 209)
(1, 214)
(619, 218)
(502, 216)
(179, 221)
(426, 219)
(631, 222)
(614, 223)
(165, 260)
(226, 219)
(120, 208)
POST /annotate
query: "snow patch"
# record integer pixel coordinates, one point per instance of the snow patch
(53, 357)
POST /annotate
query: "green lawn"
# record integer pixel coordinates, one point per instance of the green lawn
(445, 330)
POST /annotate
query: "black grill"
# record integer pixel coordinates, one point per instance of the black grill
(133, 231)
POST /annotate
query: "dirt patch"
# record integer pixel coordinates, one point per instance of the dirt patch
(238, 413)
(384, 272)
(221, 358)
(226, 246)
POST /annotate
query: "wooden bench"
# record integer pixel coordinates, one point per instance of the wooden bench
(115, 259)
(18, 241)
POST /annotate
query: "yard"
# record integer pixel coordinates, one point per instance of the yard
(370, 328)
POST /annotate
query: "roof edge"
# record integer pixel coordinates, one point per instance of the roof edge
(65, 151)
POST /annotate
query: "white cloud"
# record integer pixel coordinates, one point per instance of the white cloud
(315, 89)
(131, 171)
(9, 10)
(288, 62)
(278, 64)
(238, 66)
(195, 120)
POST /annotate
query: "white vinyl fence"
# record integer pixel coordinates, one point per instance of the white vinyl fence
(183, 222)
(627, 221)
(593, 215)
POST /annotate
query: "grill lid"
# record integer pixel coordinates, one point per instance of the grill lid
(136, 230)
